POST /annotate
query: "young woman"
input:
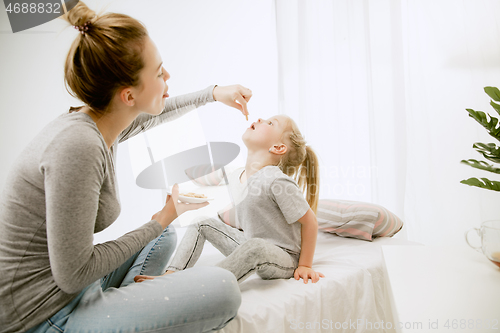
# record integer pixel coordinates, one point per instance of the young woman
(62, 189)
(279, 224)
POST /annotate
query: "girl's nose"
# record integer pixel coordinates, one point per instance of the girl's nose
(260, 120)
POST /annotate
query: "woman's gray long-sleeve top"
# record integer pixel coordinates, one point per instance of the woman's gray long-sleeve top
(61, 190)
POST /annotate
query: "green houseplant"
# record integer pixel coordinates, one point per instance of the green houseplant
(490, 151)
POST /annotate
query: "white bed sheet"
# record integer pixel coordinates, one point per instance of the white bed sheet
(354, 293)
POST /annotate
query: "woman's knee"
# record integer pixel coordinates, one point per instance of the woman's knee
(227, 296)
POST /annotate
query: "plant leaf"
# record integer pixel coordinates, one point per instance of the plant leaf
(495, 106)
(490, 125)
(493, 92)
(490, 151)
(481, 165)
(485, 183)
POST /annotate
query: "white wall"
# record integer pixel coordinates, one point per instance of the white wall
(201, 42)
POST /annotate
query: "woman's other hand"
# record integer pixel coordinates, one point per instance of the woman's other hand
(173, 208)
(235, 96)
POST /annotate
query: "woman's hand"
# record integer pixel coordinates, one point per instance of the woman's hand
(173, 208)
(305, 273)
(235, 96)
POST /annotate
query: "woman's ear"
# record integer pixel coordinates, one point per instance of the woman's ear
(125, 95)
(279, 149)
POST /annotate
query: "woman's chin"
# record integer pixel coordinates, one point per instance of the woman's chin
(162, 107)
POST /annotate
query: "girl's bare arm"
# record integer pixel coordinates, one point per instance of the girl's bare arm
(309, 234)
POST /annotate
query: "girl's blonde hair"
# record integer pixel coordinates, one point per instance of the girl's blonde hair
(301, 163)
(107, 57)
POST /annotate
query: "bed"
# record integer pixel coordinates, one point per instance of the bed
(354, 296)
(354, 293)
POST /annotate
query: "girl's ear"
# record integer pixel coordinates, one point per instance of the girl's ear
(278, 149)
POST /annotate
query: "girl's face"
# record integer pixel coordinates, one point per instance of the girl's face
(151, 94)
(264, 134)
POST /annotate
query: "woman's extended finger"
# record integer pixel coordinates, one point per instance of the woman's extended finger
(235, 105)
(239, 99)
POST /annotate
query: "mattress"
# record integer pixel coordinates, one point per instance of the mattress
(354, 295)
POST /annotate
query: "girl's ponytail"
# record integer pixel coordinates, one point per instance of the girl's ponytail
(301, 163)
(310, 174)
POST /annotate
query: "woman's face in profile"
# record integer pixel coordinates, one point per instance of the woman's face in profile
(152, 90)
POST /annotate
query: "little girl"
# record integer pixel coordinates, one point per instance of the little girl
(279, 224)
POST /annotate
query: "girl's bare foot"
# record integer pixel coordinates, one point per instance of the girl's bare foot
(141, 278)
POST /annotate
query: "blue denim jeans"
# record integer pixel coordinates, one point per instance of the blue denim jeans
(201, 299)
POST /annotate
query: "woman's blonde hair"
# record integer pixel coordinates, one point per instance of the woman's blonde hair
(107, 57)
(301, 163)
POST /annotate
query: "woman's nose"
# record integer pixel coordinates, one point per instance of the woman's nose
(166, 76)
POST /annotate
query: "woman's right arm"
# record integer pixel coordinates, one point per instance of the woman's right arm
(74, 171)
(175, 107)
(235, 96)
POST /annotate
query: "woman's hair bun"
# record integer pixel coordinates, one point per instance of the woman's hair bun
(79, 15)
(106, 56)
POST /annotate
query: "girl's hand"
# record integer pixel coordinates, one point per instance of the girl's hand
(235, 96)
(305, 273)
(173, 208)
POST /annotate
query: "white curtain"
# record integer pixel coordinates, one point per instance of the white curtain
(379, 89)
(201, 43)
